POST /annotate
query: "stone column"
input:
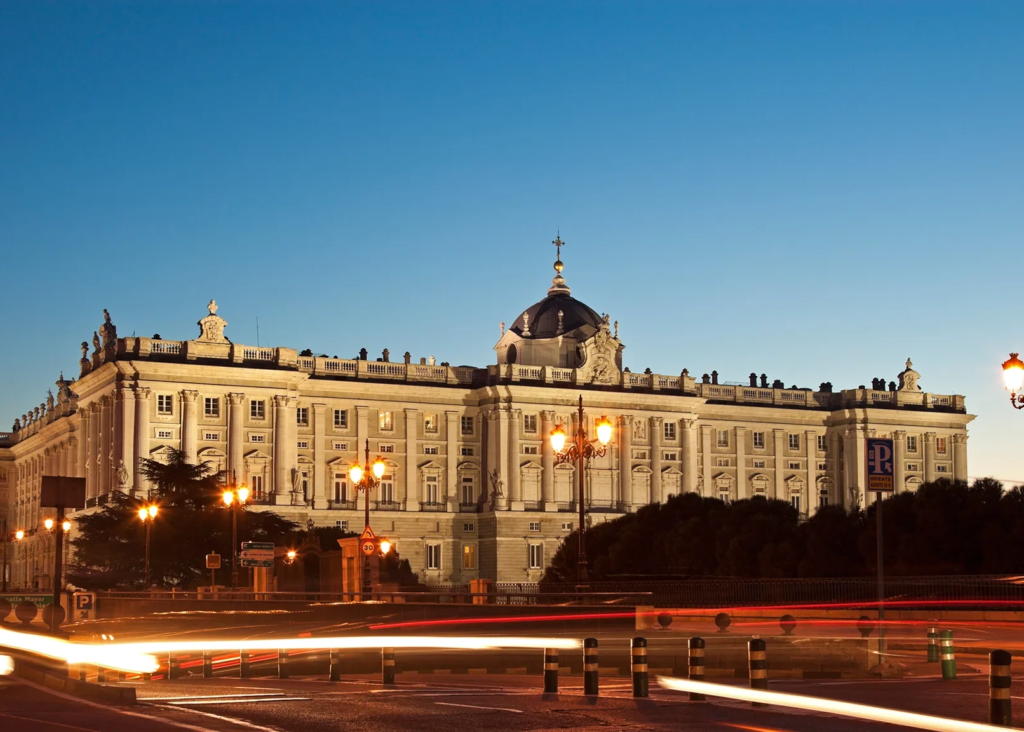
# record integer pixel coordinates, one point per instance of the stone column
(236, 436)
(189, 424)
(362, 431)
(95, 413)
(742, 485)
(899, 445)
(514, 491)
(929, 456)
(960, 456)
(83, 448)
(320, 492)
(127, 439)
(501, 444)
(142, 407)
(452, 432)
(855, 461)
(810, 487)
(106, 413)
(625, 435)
(779, 446)
(707, 461)
(656, 427)
(412, 485)
(547, 462)
(282, 466)
(689, 455)
(838, 484)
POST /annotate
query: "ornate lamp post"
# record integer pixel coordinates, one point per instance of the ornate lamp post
(58, 549)
(580, 449)
(1013, 377)
(234, 499)
(7, 539)
(365, 478)
(147, 514)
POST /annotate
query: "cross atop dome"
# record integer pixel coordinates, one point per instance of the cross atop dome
(558, 283)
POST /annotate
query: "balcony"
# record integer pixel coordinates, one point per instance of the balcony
(469, 508)
(387, 506)
(533, 506)
(343, 505)
(433, 506)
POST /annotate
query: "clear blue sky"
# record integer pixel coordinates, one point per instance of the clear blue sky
(814, 190)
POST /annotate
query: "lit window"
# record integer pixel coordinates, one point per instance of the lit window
(340, 418)
(469, 556)
(670, 430)
(257, 409)
(430, 423)
(164, 405)
(430, 449)
(433, 556)
(302, 416)
(467, 425)
(759, 440)
(794, 442)
(386, 421)
(536, 556)
(530, 423)
(723, 438)
(211, 407)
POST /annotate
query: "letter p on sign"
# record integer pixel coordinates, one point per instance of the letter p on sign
(880, 465)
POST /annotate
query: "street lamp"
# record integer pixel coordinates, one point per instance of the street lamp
(58, 548)
(366, 478)
(147, 514)
(7, 539)
(1013, 377)
(234, 499)
(581, 449)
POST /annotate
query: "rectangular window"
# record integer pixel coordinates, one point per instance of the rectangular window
(386, 421)
(302, 416)
(430, 423)
(670, 456)
(535, 526)
(940, 445)
(339, 446)
(822, 443)
(466, 452)
(794, 466)
(164, 405)
(639, 454)
(759, 463)
(723, 438)
(386, 490)
(795, 502)
(529, 449)
(722, 462)
(794, 442)
(164, 434)
(941, 468)
(530, 423)
(567, 526)
(723, 496)
(433, 556)
(536, 556)
(340, 487)
(432, 494)
(341, 419)
(469, 527)
(467, 425)
(256, 481)
(343, 525)
(257, 409)
(430, 449)
(303, 444)
(911, 443)
(468, 491)
(211, 436)
(822, 466)
(759, 440)
(823, 499)
(912, 467)
(257, 438)
(469, 556)
(383, 447)
(670, 430)
(211, 407)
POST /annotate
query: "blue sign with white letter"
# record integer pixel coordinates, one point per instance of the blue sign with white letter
(881, 465)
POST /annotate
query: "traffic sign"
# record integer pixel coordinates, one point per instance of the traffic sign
(881, 465)
(260, 556)
(368, 541)
(248, 545)
(367, 534)
(213, 561)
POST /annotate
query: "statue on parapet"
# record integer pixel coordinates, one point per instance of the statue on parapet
(108, 330)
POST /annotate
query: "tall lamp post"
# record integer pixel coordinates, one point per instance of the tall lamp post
(7, 539)
(365, 478)
(580, 449)
(147, 514)
(234, 499)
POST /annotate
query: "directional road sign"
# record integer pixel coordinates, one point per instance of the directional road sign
(881, 459)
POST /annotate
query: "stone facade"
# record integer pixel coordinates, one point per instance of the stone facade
(472, 488)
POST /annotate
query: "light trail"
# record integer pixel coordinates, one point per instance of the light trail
(507, 619)
(455, 643)
(108, 655)
(826, 706)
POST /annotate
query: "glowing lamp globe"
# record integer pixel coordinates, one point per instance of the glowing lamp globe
(378, 468)
(153, 510)
(19, 534)
(229, 498)
(355, 473)
(66, 526)
(604, 430)
(143, 513)
(243, 494)
(385, 546)
(558, 439)
(1013, 373)
(48, 523)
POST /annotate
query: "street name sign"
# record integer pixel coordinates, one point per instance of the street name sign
(880, 465)
(257, 554)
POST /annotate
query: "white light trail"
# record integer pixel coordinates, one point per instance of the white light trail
(107, 655)
(6, 665)
(826, 706)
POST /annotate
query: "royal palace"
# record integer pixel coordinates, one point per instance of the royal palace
(472, 489)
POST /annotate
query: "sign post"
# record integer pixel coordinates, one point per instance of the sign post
(880, 481)
(60, 492)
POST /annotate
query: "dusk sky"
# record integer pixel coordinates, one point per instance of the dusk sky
(813, 190)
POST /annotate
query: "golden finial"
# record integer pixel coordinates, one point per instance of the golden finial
(558, 252)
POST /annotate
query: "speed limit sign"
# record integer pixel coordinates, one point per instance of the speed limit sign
(368, 542)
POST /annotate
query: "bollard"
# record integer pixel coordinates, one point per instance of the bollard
(101, 675)
(147, 676)
(933, 645)
(172, 666)
(282, 663)
(121, 676)
(82, 673)
(207, 665)
(758, 654)
(696, 646)
(639, 667)
(335, 665)
(243, 665)
(999, 689)
(947, 655)
(387, 666)
(590, 667)
(550, 670)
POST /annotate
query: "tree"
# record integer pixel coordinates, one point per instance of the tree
(192, 522)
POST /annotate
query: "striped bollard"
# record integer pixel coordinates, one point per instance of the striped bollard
(172, 666)
(696, 668)
(282, 663)
(933, 645)
(757, 651)
(947, 654)
(590, 667)
(639, 667)
(550, 670)
(335, 657)
(243, 665)
(387, 666)
(207, 665)
(999, 689)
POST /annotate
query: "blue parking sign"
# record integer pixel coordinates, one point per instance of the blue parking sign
(881, 462)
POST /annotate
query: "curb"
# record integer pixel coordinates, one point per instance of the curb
(73, 687)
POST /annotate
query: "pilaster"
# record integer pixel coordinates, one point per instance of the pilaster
(689, 455)
(705, 459)
(412, 486)
(547, 461)
(236, 435)
(319, 456)
(929, 457)
(142, 406)
(127, 438)
(899, 446)
(452, 431)
(282, 479)
(625, 435)
(779, 447)
(656, 426)
(960, 457)
(742, 484)
(515, 495)
(189, 424)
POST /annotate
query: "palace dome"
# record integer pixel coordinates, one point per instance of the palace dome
(542, 317)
